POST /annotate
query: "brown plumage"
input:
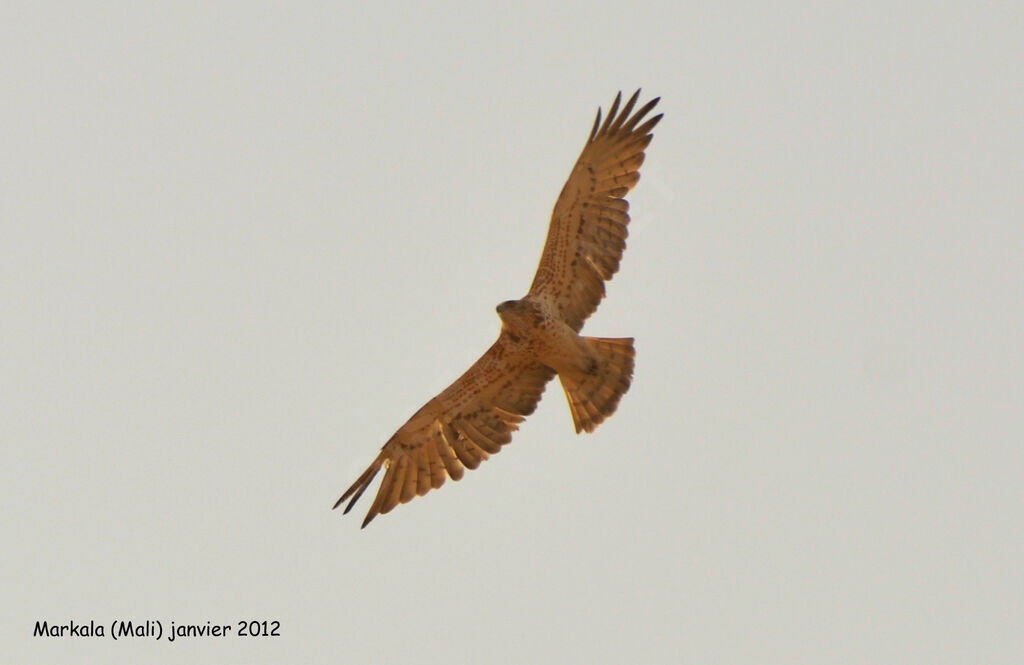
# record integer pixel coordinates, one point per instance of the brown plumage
(476, 415)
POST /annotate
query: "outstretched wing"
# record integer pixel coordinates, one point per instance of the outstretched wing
(463, 426)
(588, 226)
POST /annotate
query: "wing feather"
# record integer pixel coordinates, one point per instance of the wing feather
(467, 453)
(397, 483)
(411, 480)
(437, 465)
(460, 428)
(423, 471)
(473, 433)
(452, 465)
(586, 237)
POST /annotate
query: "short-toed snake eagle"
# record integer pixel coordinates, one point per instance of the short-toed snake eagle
(475, 416)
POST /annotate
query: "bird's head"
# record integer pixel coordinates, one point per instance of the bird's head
(509, 307)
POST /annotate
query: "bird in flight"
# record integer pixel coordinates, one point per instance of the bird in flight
(475, 416)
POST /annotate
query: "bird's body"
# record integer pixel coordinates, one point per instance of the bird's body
(476, 415)
(535, 329)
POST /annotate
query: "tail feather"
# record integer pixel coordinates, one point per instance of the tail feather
(594, 395)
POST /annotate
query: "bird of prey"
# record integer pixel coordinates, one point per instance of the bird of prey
(475, 416)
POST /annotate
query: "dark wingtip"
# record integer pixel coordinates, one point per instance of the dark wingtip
(611, 114)
(597, 123)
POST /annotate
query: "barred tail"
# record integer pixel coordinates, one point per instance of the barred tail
(594, 395)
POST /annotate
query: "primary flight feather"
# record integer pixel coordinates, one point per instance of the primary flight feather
(476, 415)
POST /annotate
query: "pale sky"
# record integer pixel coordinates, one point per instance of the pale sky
(241, 243)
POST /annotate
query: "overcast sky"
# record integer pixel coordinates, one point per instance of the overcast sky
(241, 243)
